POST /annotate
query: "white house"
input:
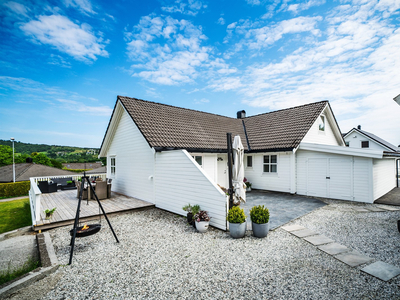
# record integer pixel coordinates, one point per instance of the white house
(172, 156)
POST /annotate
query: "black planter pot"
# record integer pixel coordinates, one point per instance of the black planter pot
(189, 217)
(398, 225)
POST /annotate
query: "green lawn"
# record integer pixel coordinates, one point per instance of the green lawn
(14, 214)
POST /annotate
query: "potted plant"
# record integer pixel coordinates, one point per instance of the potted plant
(202, 221)
(49, 213)
(248, 184)
(237, 222)
(260, 220)
(195, 211)
(188, 208)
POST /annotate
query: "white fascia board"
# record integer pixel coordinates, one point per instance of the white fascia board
(367, 137)
(334, 125)
(111, 129)
(341, 150)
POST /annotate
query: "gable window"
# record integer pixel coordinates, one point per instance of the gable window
(199, 160)
(364, 144)
(249, 161)
(347, 144)
(112, 165)
(270, 164)
(321, 125)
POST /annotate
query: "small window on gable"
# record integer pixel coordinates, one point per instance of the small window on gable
(198, 159)
(364, 144)
(249, 161)
(347, 144)
(321, 124)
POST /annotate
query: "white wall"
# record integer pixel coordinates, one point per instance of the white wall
(355, 139)
(279, 181)
(134, 161)
(384, 171)
(316, 136)
(179, 180)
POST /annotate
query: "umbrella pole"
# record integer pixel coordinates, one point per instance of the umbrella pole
(229, 144)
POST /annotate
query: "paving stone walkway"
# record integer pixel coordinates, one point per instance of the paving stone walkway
(378, 269)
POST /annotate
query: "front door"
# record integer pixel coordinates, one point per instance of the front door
(222, 170)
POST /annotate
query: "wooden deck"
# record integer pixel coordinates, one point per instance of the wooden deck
(66, 203)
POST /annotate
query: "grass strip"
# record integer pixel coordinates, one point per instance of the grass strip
(15, 214)
(12, 274)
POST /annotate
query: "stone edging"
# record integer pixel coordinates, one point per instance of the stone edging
(48, 261)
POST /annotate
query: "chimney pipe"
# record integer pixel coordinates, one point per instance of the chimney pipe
(359, 127)
(241, 114)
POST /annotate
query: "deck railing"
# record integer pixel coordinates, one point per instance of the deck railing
(35, 193)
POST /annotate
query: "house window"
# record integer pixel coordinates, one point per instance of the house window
(270, 164)
(321, 124)
(364, 144)
(198, 159)
(112, 165)
(249, 161)
(347, 144)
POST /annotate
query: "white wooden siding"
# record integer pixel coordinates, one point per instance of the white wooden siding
(134, 161)
(316, 136)
(384, 176)
(356, 138)
(179, 180)
(209, 164)
(350, 178)
(279, 181)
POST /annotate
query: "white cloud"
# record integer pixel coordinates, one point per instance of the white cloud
(17, 8)
(84, 6)
(76, 40)
(169, 51)
(78, 106)
(298, 7)
(221, 21)
(187, 7)
(201, 101)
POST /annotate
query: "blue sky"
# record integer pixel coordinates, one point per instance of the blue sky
(63, 63)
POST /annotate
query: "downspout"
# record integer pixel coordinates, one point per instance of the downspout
(397, 172)
(293, 183)
(247, 138)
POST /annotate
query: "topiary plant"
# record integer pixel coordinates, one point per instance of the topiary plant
(259, 214)
(236, 215)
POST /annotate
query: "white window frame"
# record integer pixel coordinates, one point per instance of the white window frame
(270, 164)
(247, 161)
(195, 157)
(323, 121)
(113, 167)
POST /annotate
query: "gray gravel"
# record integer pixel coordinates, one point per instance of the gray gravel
(160, 257)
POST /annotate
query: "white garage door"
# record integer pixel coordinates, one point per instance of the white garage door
(330, 177)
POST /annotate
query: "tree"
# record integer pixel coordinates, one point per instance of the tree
(56, 163)
(42, 159)
(6, 155)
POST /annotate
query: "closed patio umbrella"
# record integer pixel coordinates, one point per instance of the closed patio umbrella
(238, 171)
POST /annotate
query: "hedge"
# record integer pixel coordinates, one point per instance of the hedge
(16, 189)
(77, 170)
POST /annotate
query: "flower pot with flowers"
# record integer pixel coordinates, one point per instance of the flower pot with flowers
(202, 221)
(248, 184)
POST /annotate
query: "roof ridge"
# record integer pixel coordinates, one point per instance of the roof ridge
(26, 169)
(173, 106)
(289, 108)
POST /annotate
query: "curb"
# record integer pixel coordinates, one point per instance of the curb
(48, 261)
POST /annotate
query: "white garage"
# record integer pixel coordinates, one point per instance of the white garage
(343, 173)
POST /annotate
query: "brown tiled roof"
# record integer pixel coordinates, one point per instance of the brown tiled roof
(166, 126)
(170, 127)
(24, 171)
(282, 129)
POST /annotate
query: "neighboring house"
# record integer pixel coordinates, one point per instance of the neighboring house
(24, 171)
(83, 166)
(172, 156)
(384, 169)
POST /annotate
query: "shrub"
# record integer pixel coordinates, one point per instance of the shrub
(77, 170)
(259, 214)
(202, 215)
(236, 215)
(16, 189)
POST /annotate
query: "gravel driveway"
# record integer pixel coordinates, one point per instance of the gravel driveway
(160, 257)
